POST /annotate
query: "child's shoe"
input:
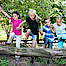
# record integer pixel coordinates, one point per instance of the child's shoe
(7, 43)
(25, 42)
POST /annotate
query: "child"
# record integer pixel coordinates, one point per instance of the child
(48, 37)
(33, 21)
(59, 29)
(15, 33)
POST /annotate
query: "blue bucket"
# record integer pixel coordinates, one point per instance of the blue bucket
(60, 44)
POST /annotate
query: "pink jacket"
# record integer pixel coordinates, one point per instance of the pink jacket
(15, 25)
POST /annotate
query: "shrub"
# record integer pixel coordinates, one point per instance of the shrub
(4, 61)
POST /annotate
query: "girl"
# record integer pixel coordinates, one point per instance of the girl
(33, 21)
(15, 33)
(60, 30)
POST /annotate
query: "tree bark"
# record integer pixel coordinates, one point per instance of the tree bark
(49, 53)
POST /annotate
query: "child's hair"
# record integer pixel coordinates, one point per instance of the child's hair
(34, 12)
(46, 18)
(15, 12)
(59, 18)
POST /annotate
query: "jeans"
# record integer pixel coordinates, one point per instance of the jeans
(33, 36)
(46, 41)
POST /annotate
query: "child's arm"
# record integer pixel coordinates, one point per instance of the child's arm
(4, 13)
(41, 27)
(19, 27)
(52, 28)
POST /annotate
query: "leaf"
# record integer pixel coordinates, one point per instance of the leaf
(43, 61)
(38, 60)
(28, 61)
(47, 61)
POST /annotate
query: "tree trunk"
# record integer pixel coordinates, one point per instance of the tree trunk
(49, 53)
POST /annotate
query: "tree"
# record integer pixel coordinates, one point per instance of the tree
(43, 8)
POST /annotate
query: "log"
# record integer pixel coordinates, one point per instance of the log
(24, 51)
(49, 53)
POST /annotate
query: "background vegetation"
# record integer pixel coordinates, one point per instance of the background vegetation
(44, 8)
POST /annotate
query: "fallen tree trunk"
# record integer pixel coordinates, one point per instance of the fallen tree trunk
(49, 53)
(24, 51)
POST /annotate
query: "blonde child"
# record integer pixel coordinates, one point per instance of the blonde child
(60, 30)
(33, 21)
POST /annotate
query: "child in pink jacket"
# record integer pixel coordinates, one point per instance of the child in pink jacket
(15, 22)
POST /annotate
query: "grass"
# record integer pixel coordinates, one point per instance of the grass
(3, 35)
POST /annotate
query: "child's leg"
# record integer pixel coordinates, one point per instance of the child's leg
(33, 43)
(45, 42)
(18, 40)
(50, 45)
(28, 33)
(12, 35)
(34, 37)
(60, 43)
(44, 45)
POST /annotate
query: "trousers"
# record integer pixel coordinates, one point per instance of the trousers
(18, 39)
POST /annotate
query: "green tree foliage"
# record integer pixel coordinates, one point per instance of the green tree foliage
(43, 8)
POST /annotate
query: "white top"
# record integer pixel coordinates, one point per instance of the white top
(59, 29)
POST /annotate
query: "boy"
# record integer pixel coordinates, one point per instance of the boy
(48, 37)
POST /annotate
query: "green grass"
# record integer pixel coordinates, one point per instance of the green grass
(3, 35)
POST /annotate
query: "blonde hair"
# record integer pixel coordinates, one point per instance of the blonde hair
(59, 18)
(34, 12)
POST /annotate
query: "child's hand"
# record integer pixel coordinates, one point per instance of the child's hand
(51, 25)
(19, 28)
(41, 32)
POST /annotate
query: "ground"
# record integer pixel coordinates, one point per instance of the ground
(23, 61)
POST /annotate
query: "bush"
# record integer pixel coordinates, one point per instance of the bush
(4, 61)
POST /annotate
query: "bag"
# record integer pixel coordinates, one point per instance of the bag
(63, 35)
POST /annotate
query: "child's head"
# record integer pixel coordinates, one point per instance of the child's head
(16, 15)
(32, 14)
(47, 21)
(59, 20)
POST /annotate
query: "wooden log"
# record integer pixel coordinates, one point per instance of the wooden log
(24, 51)
(49, 53)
